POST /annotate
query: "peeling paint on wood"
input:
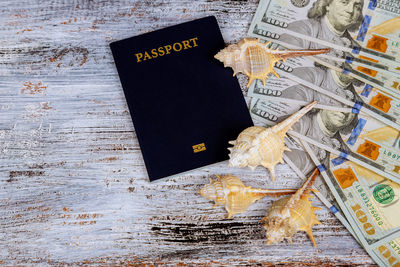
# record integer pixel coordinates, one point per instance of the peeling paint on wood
(74, 189)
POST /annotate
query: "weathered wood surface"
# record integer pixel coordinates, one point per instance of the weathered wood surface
(73, 184)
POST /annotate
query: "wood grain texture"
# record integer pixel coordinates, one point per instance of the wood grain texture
(73, 184)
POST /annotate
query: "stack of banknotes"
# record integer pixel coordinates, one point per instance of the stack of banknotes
(353, 134)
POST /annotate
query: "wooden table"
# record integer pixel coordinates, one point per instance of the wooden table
(74, 189)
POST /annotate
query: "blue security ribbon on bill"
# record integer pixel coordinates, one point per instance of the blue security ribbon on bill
(349, 59)
(339, 160)
(321, 168)
(356, 131)
(372, 4)
(356, 50)
(367, 90)
(357, 107)
(364, 28)
(333, 209)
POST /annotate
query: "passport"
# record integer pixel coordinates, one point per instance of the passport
(185, 106)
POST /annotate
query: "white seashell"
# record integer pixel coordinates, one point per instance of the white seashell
(256, 60)
(257, 145)
(229, 191)
(291, 214)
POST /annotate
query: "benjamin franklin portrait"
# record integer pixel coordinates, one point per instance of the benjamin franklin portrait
(330, 80)
(328, 20)
(325, 127)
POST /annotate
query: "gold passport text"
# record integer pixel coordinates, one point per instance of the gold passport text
(166, 49)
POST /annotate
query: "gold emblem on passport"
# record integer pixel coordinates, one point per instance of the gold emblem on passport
(199, 148)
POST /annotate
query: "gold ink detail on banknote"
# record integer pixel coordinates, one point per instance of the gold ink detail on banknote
(362, 218)
(387, 27)
(396, 169)
(369, 150)
(368, 71)
(395, 85)
(345, 177)
(377, 43)
(385, 252)
(381, 102)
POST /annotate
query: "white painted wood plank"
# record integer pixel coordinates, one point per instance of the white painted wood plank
(73, 184)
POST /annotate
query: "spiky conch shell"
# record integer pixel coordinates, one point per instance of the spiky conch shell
(257, 145)
(229, 190)
(291, 214)
(256, 60)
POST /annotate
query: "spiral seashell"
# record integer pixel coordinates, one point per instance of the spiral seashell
(291, 214)
(253, 58)
(257, 145)
(230, 192)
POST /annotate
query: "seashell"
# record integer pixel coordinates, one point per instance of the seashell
(256, 60)
(229, 191)
(291, 214)
(258, 145)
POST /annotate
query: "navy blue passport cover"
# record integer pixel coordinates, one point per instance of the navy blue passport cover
(184, 104)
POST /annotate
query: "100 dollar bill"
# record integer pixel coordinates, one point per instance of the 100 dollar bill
(326, 197)
(385, 37)
(389, 29)
(390, 106)
(332, 24)
(388, 83)
(385, 44)
(308, 83)
(350, 137)
(322, 191)
(370, 203)
(361, 194)
(364, 65)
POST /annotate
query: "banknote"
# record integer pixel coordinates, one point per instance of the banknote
(388, 251)
(385, 83)
(350, 136)
(371, 75)
(370, 203)
(387, 44)
(368, 67)
(389, 28)
(323, 193)
(322, 190)
(280, 36)
(328, 88)
(363, 65)
(257, 90)
(371, 214)
(385, 37)
(381, 80)
(339, 24)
